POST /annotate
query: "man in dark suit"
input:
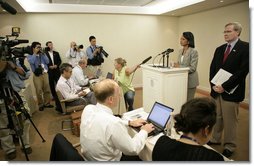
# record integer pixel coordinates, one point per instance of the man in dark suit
(233, 57)
(53, 71)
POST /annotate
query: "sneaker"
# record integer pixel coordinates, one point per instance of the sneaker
(28, 150)
(11, 156)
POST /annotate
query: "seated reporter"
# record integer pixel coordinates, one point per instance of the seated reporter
(196, 121)
(70, 90)
(78, 73)
(104, 137)
(124, 75)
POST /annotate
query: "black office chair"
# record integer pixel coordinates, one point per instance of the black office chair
(63, 150)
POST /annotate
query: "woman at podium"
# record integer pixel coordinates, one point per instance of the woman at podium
(188, 57)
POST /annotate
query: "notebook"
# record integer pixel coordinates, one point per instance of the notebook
(109, 75)
(158, 116)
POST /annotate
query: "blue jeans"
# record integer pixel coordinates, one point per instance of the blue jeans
(129, 99)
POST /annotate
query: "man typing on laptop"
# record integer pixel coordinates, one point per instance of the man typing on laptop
(104, 137)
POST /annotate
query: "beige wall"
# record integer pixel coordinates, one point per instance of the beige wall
(133, 37)
(207, 28)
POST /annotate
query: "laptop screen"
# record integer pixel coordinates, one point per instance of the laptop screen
(109, 75)
(160, 115)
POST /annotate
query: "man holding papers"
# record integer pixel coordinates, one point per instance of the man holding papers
(228, 71)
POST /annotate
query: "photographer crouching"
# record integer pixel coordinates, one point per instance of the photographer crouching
(95, 55)
(39, 65)
(12, 72)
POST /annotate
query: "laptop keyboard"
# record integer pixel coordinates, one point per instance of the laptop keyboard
(153, 133)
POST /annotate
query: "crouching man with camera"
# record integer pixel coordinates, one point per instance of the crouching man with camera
(95, 55)
(15, 75)
(38, 62)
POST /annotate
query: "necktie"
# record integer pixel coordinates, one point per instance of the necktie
(226, 53)
(68, 83)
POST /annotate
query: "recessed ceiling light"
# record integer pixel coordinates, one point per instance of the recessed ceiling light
(221, 1)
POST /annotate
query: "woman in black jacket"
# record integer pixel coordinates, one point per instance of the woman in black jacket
(195, 120)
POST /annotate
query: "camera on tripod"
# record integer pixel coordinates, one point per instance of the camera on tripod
(102, 51)
(7, 49)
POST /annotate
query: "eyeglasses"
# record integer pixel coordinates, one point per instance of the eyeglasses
(38, 47)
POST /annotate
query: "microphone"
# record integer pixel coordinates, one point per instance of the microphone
(8, 7)
(169, 50)
(146, 60)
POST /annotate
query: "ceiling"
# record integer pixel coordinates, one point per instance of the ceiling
(115, 6)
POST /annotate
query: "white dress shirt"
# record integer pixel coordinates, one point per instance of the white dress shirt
(78, 76)
(67, 88)
(104, 137)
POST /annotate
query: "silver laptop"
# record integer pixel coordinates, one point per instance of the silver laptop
(158, 116)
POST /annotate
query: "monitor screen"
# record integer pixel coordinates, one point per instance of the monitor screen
(160, 114)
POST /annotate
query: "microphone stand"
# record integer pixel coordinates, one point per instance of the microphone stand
(167, 58)
(163, 56)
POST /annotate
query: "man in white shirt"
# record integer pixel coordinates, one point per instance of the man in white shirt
(70, 90)
(103, 136)
(78, 74)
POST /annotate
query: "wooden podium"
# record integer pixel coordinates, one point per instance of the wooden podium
(165, 85)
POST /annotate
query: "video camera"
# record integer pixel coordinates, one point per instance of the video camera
(102, 51)
(7, 49)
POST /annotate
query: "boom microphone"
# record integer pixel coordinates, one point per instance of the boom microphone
(8, 7)
(146, 60)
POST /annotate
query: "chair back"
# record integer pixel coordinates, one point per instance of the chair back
(63, 150)
(68, 109)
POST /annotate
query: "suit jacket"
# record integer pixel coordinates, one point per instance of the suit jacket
(237, 63)
(190, 60)
(57, 61)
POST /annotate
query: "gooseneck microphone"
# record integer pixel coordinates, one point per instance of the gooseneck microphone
(146, 60)
(8, 7)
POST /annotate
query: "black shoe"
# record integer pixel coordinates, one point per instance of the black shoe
(227, 153)
(11, 156)
(213, 143)
(41, 108)
(48, 106)
(28, 150)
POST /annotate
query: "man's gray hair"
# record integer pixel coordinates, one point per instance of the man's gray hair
(237, 27)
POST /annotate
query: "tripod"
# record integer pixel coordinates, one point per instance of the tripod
(14, 104)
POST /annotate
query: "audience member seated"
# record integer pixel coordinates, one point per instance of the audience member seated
(124, 75)
(196, 121)
(78, 73)
(70, 90)
(103, 136)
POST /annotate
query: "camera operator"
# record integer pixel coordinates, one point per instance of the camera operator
(16, 75)
(39, 65)
(95, 57)
(75, 53)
